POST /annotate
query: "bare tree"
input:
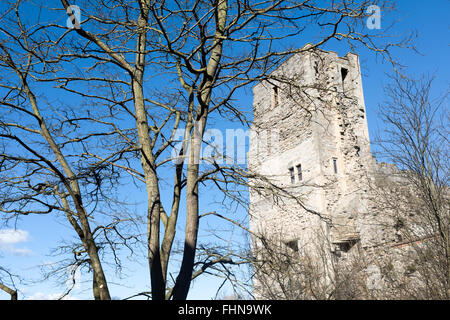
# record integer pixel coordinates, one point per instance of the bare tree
(7, 283)
(41, 158)
(116, 58)
(416, 141)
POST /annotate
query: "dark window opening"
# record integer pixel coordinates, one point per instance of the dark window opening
(293, 245)
(299, 172)
(346, 245)
(335, 165)
(274, 96)
(291, 171)
(344, 73)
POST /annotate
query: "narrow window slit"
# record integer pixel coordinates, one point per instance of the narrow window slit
(274, 96)
(299, 172)
(344, 73)
(335, 165)
(291, 171)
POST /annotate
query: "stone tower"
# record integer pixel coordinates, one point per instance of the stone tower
(310, 138)
(325, 217)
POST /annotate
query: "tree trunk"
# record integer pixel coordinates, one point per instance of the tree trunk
(184, 278)
(99, 283)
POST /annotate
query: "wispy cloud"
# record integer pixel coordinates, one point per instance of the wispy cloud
(9, 238)
(49, 296)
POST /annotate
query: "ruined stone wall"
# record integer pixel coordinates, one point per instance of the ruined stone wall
(318, 116)
(311, 112)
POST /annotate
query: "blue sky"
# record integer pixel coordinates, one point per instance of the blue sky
(23, 251)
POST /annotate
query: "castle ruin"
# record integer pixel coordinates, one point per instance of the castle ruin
(310, 141)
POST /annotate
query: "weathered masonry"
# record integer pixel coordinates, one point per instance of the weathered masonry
(322, 149)
(310, 139)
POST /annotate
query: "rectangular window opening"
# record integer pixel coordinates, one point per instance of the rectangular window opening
(299, 172)
(344, 73)
(291, 171)
(335, 165)
(293, 245)
(274, 96)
